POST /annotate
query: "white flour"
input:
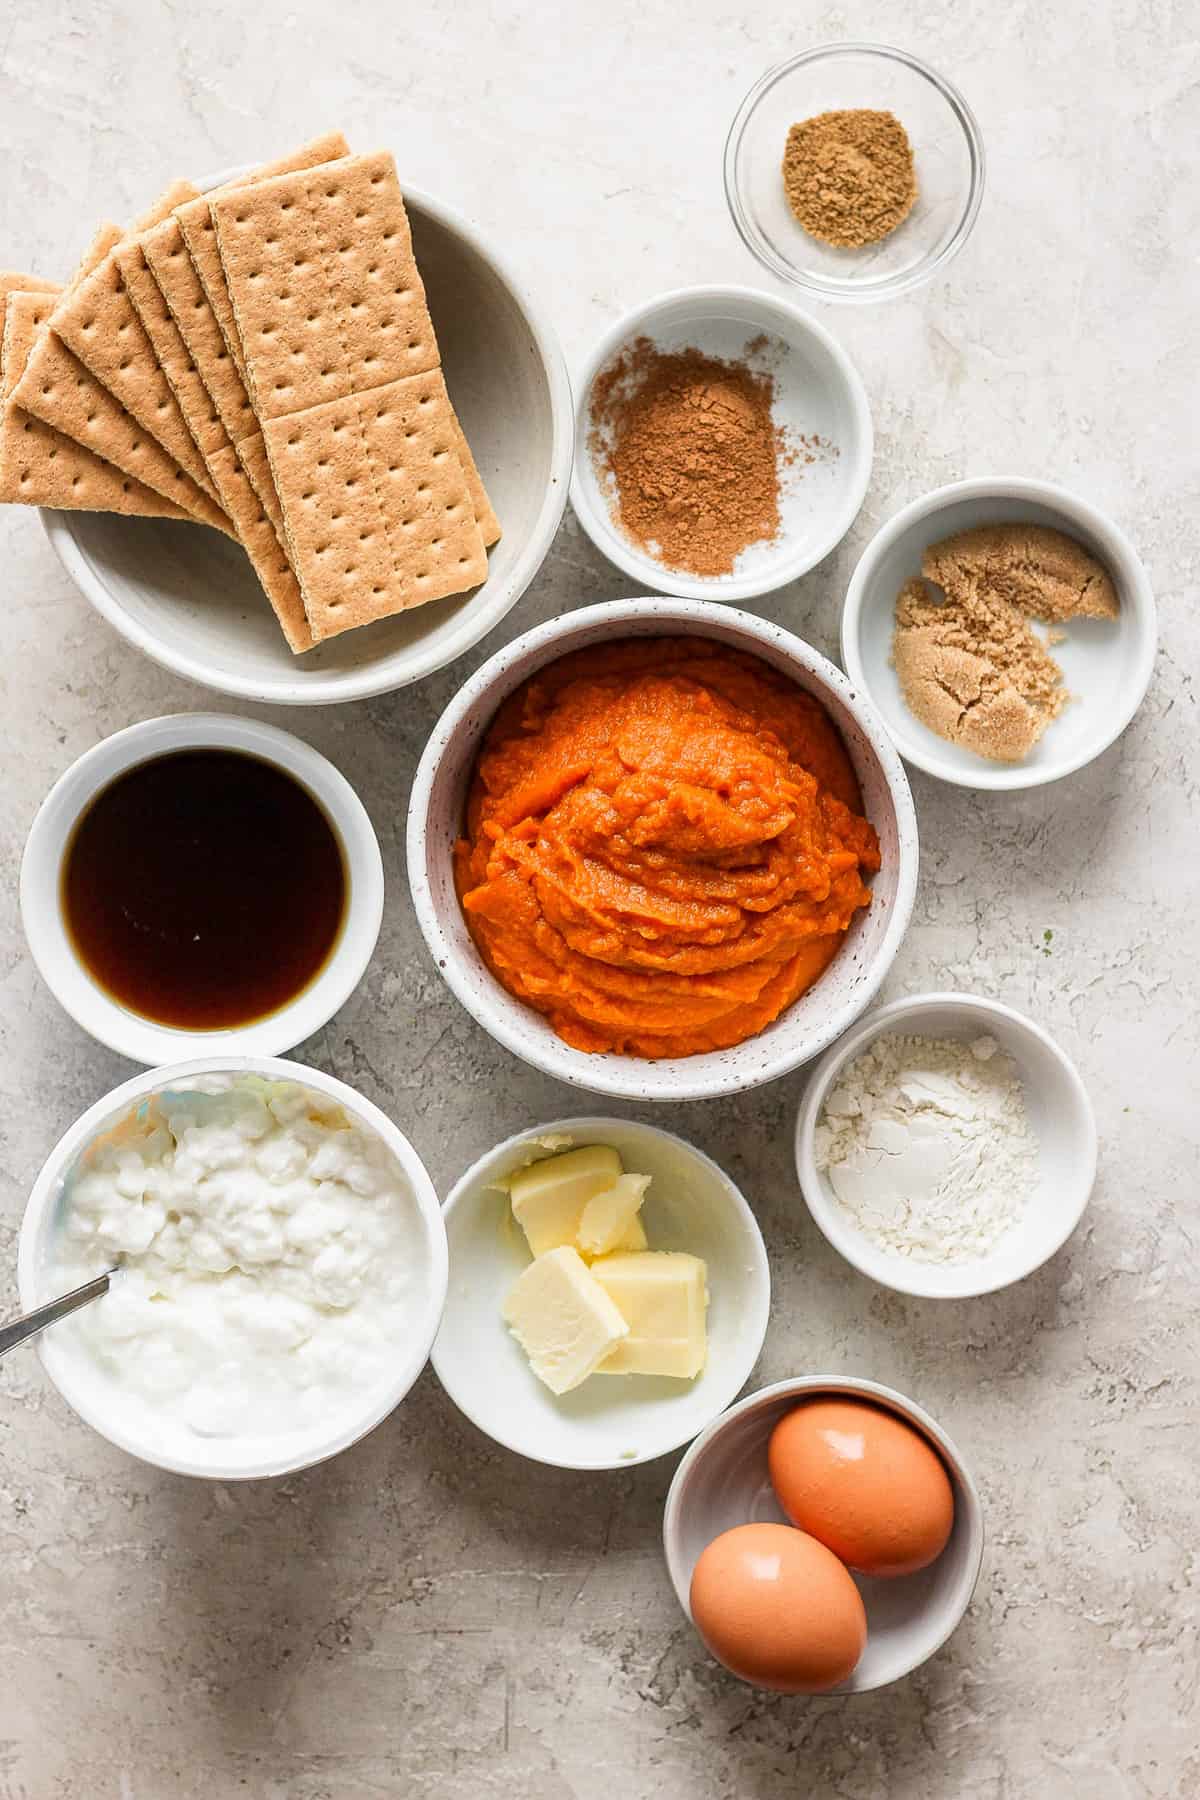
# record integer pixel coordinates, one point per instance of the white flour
(927, 1146)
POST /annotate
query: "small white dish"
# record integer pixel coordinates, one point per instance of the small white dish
(98, 1012)
(438, 807)
(723, 1481)
(1107, 663)
(609, 1421)
(86, 1386)
(947, 153)
(818, 391)
(1060, 1116)
(187, 597)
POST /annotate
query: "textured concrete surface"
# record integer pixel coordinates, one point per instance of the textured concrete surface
(427, 1615)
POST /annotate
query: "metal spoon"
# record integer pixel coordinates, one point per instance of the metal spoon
(41, 1316)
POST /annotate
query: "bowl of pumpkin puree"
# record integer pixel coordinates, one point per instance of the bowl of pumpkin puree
(661, 849)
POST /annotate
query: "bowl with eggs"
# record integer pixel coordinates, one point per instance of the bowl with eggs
(278, 1266)
(662, 849)
(824, 1535)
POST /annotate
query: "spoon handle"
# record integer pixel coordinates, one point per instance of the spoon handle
(41, 1316)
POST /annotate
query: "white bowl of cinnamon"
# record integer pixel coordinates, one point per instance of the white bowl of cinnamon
(723, 443)
(1005, 628)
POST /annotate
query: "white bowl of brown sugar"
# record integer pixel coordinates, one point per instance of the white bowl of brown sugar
(1005, 629)
(723, 444)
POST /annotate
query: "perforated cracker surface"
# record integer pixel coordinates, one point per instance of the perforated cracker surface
(325, 290)
(195, 402)
(196, 222)
(43, 467)
(376, 505)
(170, 263)
(100, 324)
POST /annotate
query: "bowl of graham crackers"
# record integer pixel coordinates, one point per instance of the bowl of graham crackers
(298, 434)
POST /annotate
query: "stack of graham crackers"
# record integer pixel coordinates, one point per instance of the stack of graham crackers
(259, 359)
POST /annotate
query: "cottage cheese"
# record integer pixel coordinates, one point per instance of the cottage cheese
(267, 1254)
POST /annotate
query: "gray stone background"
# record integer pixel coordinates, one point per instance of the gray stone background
(428, 1615)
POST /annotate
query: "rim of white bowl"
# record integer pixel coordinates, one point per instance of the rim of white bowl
(907, 1277)
(845, 292)
(594, 1123)
(99, 1013)
(294, 1451)
(854, 1387)
(1124, 563)
(599, 1074)
(758, 307)
(361, 684)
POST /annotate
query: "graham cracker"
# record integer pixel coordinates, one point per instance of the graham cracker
(42, 467)
(68, 397)
(259, 540)
(326, 292)
(99, 323)
(195, 221)
(106, 238)
(323, 280)
(195, 402)
(13, 282)
(377, 513)
(223, 460)
(167, 258)
(177, 194)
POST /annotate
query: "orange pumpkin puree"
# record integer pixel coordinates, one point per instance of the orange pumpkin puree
(664, 846)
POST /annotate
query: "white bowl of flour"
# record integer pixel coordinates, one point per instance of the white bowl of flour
(946, 1146)
(280, 1264)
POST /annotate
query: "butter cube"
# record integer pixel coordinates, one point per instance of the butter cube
(634, 1237)
(607, 1217)
(664, 1295)
(562, 1318)
(548, 1198)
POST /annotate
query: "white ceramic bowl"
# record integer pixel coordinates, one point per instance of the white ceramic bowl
(94, 1395)
(817, 391)
(129, 1033)
(609, 1421)
(947, 151)
(1107, 664)
(188, 598)
(435, 821)
(1060, 1115)
(723, 1481)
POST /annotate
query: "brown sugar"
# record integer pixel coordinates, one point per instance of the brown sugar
(692, 454)
(970, 666)
(849, 176)
(1042, 572)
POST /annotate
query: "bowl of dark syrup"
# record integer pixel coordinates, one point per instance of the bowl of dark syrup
(200, 884)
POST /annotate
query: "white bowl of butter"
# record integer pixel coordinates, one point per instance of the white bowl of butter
(280, 1266)
(608, 1420)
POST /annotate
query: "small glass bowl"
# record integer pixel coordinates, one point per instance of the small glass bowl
(947, 149)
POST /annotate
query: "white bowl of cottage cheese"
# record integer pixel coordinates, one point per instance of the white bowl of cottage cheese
(280, 1266)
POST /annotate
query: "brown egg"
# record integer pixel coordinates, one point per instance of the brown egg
(870, 1487)
(778, 1609)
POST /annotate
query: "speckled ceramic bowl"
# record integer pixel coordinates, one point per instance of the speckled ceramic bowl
(846, 988)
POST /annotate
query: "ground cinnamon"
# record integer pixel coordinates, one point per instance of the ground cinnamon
(691, 454)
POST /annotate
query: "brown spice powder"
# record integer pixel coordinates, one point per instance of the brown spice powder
(970, 666)
(692, 453)
(849, 176)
